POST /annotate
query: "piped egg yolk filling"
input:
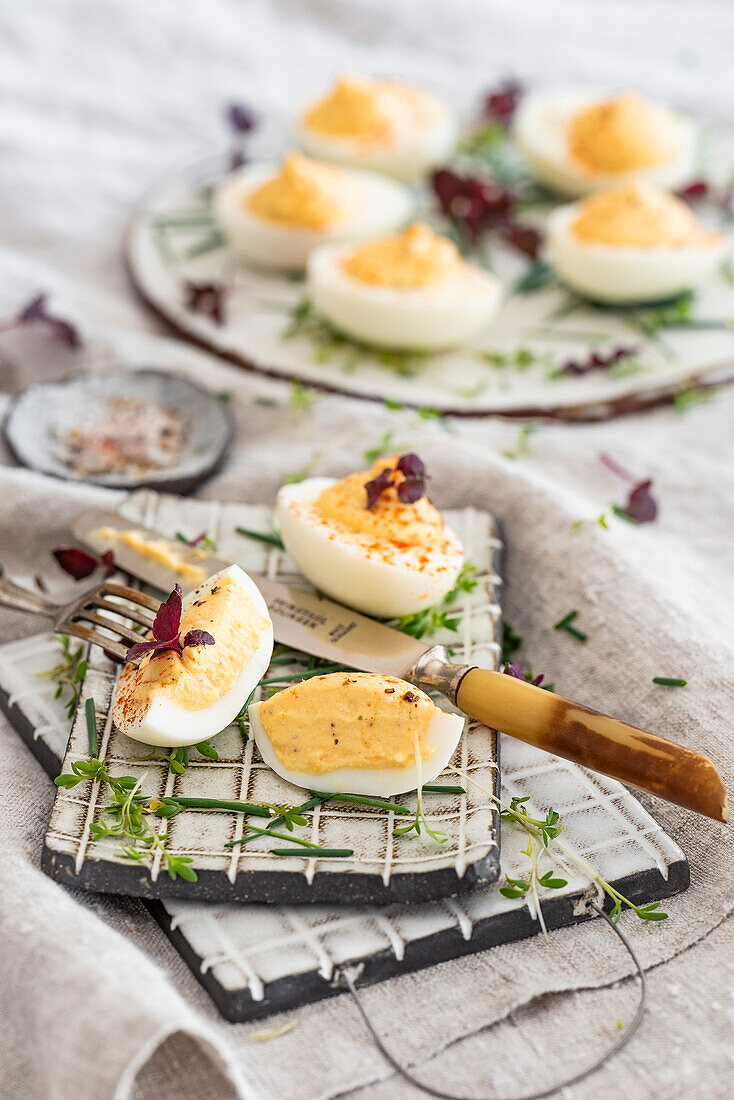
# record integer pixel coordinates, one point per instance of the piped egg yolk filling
(345, 502)
(205, 672)
(415, 258)
(305, 194)
(622, 135)
(347, 720)
(368, 111)
(640, 217)
(161, 551)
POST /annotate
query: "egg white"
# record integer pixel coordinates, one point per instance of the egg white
(443, 733)
(410, 156)
(446, 314)
(345, 565)
(167, 724)
(377, 205)
(625, 274)
(541, 131)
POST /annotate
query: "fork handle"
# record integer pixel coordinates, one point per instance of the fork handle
(12, 595)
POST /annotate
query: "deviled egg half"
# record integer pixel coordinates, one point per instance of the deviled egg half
(634, 244)
(274, 215)
(180, 698)
(355, 732)
(384, 125)
(411, 291)
(372, 540)
(576, 142)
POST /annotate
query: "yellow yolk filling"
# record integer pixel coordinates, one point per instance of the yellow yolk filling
(639, 216)
(347, 720)
(368, 111)
(205, 672)
(160, 551)
(305, 194)
(417, 257)
(345, 502)
(622, 135)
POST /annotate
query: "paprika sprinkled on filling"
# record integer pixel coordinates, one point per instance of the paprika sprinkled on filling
(622, 135)
(305, 194)
(417, 257)
(348, 720)
(640, 216)
(417, 524)
(203, 673)
(371, 112)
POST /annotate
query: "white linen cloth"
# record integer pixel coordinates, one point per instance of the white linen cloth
(98, 99)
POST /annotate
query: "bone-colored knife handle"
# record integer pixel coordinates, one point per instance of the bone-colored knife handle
(604, 744)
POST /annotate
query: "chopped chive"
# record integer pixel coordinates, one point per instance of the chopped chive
(565, 624)
(92, 727)
(277, 821)
(221, 804)
(362, 800)
(437, 788)
(669, 681)
(285, 836)
(261, 536)
(320, 853)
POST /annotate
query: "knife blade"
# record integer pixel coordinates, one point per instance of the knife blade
(313, 624)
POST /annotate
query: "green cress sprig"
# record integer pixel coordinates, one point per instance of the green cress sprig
(69, 673)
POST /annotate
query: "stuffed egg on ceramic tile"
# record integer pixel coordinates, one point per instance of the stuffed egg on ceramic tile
(633, 244)
(274, 216)
(411, 291)
(372, 540)
(383, 125)
(576, 142)
(220, 643)
(355, 732)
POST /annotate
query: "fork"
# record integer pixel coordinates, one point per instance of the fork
(73, 618)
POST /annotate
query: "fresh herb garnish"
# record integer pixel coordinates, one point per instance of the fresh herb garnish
(68, 673)
(522, 447)
(201, 540)
(207, 298)
(641, 506)
(36, 314)
(268, 537)
(328, 343)
(382, 448)
(476, 204)
(363, 800)
(91, 719)
(669, 681)
(688, 397)
(520, 673)
(300, 396)
(315, 853)
(439, 617)
(566, 623)
(511, 642)
(80, 563)
(598, 360)
(500, 103)
(166, 632)
(409, 488)
(538, 276)
(420, 819)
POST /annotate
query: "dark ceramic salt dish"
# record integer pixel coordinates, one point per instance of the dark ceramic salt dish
(44, 413)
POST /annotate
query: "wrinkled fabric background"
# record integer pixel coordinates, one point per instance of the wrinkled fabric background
(99, 97)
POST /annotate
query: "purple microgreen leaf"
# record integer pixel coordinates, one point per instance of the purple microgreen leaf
(695, 190)
(80, 563)
(518, 671)
(377, 486)
(641, 505)
(598, 360)
(36, 313)
(473, 203)
(240, 118)
(614, 466)
(525, 238)
(206, 298)
(135, 652)
(500, 103)
(411, 465)
(410, 490)
(414, 472)
(168, 619)
(198, 637)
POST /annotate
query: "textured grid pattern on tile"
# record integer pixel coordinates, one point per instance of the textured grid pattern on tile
(468, 819)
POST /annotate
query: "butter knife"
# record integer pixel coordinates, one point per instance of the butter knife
(319, 626)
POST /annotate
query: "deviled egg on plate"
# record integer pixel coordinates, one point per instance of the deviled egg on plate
(411, 291)
(383, 125)
(372, 540)
(221, 644)
(634, 244)
(576, 142)
(274, 216)
(355, 732)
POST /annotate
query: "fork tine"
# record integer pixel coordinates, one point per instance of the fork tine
(114, 650)
(136, 614)
(125, 593)
(109, 624)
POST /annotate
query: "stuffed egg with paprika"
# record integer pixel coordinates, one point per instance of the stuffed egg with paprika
(220, 640)
(410, 291)
(631, 244)
(273, 216)
(355, 732)
(372, 540)
(576, 142)
(383, 125)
